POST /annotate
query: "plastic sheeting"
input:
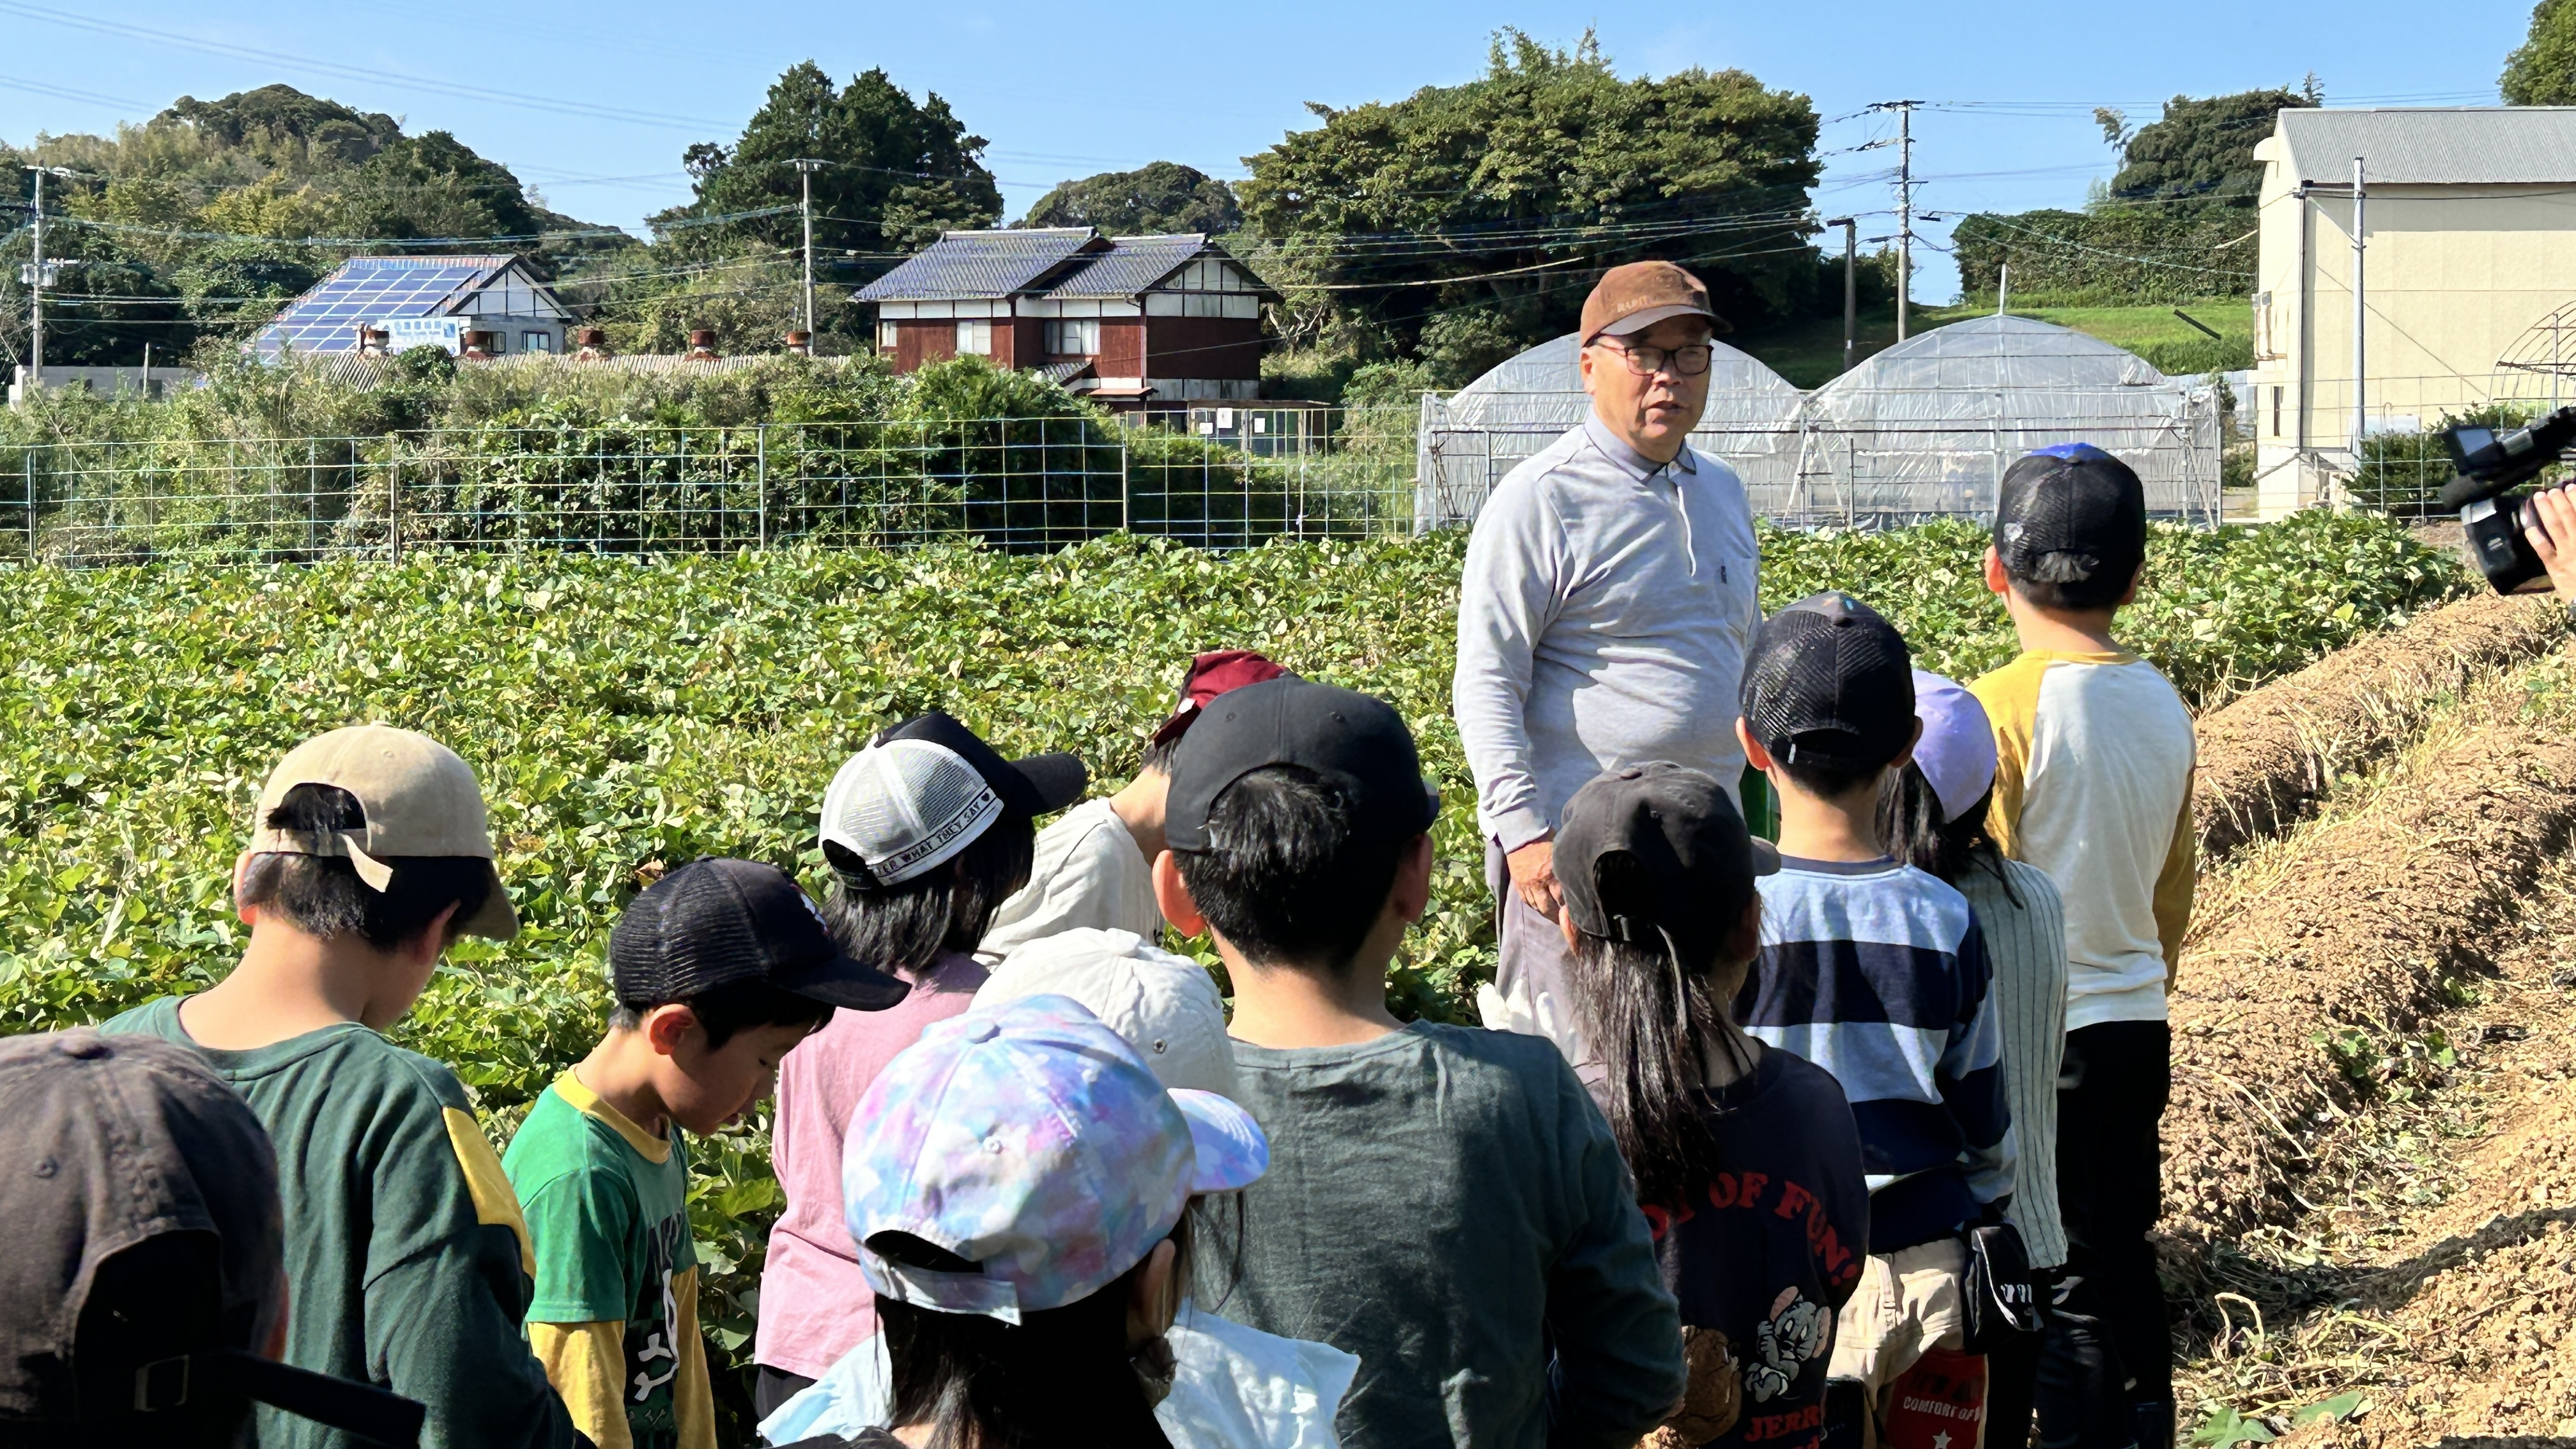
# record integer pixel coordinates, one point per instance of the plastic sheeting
(1922, 429)
(1470, 439)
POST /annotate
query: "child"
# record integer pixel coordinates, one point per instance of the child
(1019, 1190)
(927, 831)
(405, 1251)
(1448, 1204)
(1094, 867)
(2093, 785)
(1746, 1160)
(720, 968)
(1877, 973)
(144, 1294)
(1236, 1387)
(1934, 818)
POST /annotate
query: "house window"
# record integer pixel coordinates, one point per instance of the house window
(975, 338)
(536, 342)
(1073, 337)
(2276, 410)
(885, 336)
(500, 342)
(2263, 341)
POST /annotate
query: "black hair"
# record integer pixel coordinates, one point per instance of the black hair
(1286, 879)
(321, 895)
(1909, 821)
(1158, 754)
(1830, 782)
(1060, 1377)
(732, 1008)
(909, 925)
(2080, 582)
(1657, 1049)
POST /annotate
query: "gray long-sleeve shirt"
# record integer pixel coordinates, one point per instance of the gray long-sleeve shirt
(1602, 621)
(1448, 1204)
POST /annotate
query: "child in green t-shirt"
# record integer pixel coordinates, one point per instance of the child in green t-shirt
(720, 968)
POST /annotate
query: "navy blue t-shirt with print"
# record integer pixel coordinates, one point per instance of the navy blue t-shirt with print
(1772, 1248)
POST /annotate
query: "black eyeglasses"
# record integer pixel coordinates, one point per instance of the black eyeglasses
(1688, 361)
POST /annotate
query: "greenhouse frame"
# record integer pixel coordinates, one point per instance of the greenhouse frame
(1923, 429)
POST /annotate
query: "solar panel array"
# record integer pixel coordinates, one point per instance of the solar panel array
(372, 290)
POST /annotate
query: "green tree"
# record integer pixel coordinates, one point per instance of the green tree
(1471, 219)
(898, 172)
(1162, 196)
(2542, 70)
(433, 185)
(2202, 150)
(284, 123)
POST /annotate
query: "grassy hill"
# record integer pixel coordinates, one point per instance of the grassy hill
(1809, 354)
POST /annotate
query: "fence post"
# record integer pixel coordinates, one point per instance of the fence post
(760, 479)
(31, 501)
(393, 499)
(1125, 520)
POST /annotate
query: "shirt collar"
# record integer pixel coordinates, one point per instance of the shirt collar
(1635, 464)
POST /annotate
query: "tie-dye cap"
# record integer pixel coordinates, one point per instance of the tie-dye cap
(1032, 1141)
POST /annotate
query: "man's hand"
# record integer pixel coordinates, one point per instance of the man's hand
(2557, 521)
(1534, 865)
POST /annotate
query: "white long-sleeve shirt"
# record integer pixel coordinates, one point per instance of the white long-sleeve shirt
(1603, 619)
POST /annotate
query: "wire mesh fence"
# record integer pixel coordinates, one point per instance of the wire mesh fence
(1217, 478)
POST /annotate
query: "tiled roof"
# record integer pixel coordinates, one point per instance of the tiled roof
(1132, 264)
(967, 264)
(374, 290)
(2489, 146)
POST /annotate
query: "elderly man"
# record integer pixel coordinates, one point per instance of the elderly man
(1603, 618)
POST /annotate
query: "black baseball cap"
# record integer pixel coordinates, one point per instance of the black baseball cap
(2078, 504)
(146, 1261)
(716, 921)
(1828, 683)
(1657, 850)
(1355, 741)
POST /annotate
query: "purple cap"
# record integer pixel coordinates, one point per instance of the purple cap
(1032, 1141)
(1957, 751)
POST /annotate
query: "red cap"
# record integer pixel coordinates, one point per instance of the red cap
(1210, 675)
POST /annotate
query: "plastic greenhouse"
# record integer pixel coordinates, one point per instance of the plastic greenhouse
(1470, 439)
(1924, 428)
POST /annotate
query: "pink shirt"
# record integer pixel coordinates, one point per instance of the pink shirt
(814, 1304)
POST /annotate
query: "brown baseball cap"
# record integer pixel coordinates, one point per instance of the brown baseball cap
(1640, 294)
(418, 797)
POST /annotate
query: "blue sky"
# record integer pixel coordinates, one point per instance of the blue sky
(592, 103)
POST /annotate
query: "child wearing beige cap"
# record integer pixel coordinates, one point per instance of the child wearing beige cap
(407, 1261)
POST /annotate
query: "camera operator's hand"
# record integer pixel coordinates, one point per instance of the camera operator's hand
(2554, 539)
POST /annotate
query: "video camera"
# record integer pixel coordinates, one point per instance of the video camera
(2491, 465)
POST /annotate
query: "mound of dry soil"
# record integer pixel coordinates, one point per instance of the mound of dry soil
(2268, 757)
(2301, 981)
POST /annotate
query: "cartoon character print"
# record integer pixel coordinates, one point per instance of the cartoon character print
(1797, 1333)
(652, 1340)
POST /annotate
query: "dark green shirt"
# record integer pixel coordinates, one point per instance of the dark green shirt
(1448, 1204)
(407, 1264)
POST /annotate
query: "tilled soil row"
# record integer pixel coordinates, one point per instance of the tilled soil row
(2304, 980)
(2268, 757)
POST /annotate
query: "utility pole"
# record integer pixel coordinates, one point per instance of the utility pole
(1851, 286)
(36, 294)
(1904, 214)
(39, 270)
(2360, 316)
(806, 167)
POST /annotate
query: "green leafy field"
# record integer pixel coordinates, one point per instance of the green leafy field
(627, 715)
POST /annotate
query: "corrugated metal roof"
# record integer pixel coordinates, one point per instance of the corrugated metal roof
(2482, 146)
(373, 290)
(966, 264)
(1132, 264)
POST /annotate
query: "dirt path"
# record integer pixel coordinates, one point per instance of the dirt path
(2372, 1154)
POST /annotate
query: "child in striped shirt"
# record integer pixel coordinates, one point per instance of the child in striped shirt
(1877, 972)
